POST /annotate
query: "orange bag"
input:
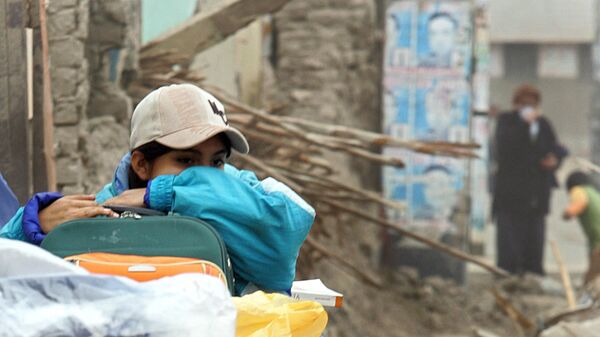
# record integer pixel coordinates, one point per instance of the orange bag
(144, 268)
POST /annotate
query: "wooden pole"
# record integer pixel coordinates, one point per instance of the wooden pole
(47, 103)
(520, 321)
(564, 275)
(29, 51)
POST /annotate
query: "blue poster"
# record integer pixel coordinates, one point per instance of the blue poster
(427, 96)
(442, 111)
(435, 35)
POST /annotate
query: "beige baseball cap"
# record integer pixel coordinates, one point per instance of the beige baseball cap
(181, 116)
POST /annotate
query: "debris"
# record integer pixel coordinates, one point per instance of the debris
(292, 150)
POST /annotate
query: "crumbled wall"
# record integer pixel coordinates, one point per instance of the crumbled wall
(328, 65)
(92, 44)
(67, 35)
(328, 69)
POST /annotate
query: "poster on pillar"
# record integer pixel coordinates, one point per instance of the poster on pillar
(427, 96)
(435, 36)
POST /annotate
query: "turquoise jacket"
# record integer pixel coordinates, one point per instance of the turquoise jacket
(263, 223)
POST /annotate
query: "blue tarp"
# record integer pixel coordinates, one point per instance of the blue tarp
(8, 202)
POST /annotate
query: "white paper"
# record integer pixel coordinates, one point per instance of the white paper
(315, 290)
(314, 286)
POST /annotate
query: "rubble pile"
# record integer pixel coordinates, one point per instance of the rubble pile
(409, 306)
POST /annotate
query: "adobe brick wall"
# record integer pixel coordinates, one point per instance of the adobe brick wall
(328, 69)
(92, 45)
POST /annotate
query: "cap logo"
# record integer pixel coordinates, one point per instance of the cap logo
(218, 112)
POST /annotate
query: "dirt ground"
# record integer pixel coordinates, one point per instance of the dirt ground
(408, 306)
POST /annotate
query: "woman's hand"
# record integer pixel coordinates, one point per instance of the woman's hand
(69, 208)
(131, 198)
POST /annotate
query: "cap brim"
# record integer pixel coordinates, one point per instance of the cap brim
(187, 138)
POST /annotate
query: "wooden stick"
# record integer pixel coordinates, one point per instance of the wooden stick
(374, 157)
(271, 171)
(344, 261)
(377, 138)
(386, 160)
(326, 182)
(338, 140)
(564, 275)
(47, 98)
(259, 114)
(563, 316)
(340, 196)
(512, 312)
(318, 163)
(431, 243)
(29, 52)
(330, 183)
(255, 135)
(472, 146)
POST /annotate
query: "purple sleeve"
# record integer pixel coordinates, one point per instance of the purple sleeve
(31, 222)
(147, 194)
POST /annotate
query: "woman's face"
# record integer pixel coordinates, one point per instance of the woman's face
(211, 152)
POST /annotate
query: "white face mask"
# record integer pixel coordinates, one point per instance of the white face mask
(527, 112)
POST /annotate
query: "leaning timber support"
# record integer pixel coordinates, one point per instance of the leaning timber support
(206, 29)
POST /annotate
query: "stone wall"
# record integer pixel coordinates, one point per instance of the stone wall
(327, 69)
(92, 45)
(328, 64)
(67, 35)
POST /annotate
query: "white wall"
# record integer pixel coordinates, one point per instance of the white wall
(564, 21)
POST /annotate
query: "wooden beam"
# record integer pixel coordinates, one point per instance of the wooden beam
(206, 29)
(564, 275)
(47, 111)
(44, 166)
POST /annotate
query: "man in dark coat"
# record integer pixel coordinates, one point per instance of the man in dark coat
(528, 154)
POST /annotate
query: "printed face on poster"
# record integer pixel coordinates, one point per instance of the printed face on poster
(430, 187)
(435, 35)
(442, 111)
(427, 97)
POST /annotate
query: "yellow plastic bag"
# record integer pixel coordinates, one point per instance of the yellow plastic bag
(276, 315)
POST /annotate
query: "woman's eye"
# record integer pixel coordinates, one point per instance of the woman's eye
(185, 160)
(218, 162)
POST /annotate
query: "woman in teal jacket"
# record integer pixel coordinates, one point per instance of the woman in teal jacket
(180, 139)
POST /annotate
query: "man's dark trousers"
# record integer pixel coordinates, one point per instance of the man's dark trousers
(520, 241)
